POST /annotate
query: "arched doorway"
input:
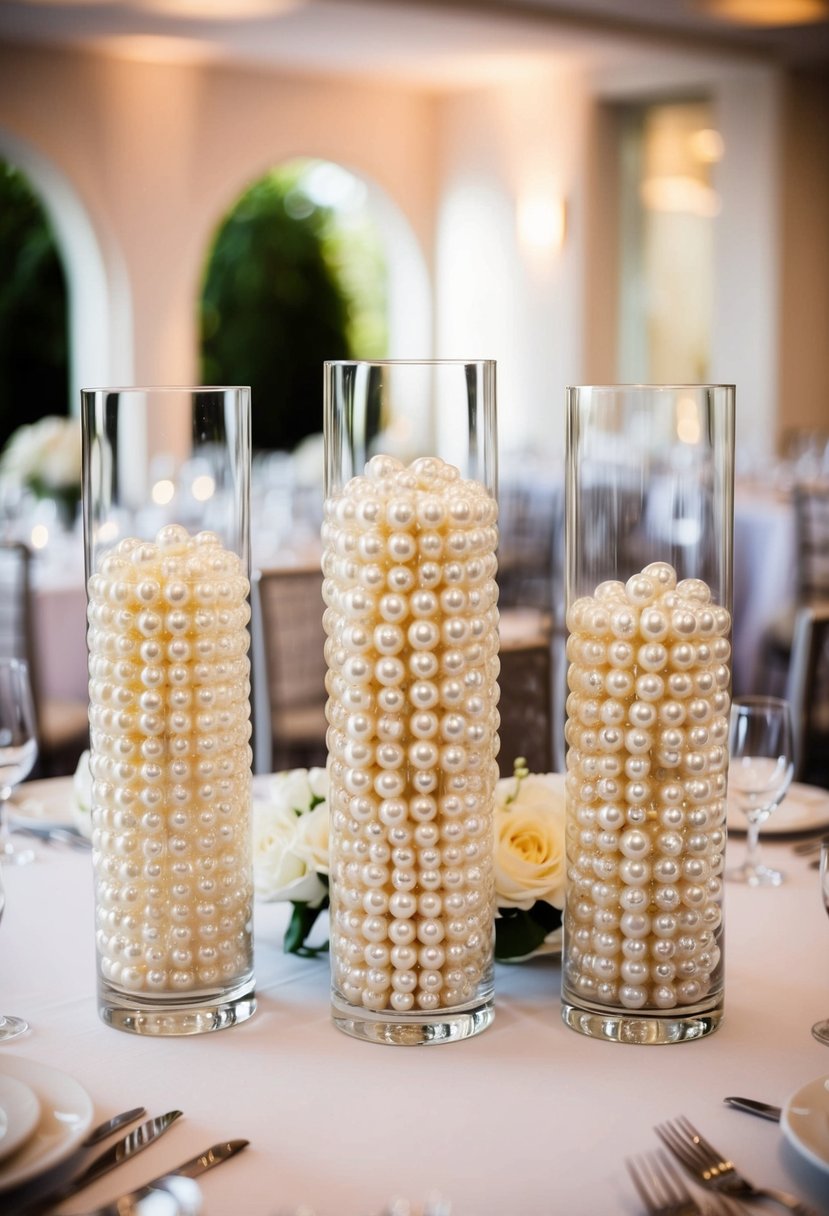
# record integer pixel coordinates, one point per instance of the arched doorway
(311, 262)
(98, 309)
(34, 308)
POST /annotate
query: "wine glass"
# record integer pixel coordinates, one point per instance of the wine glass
(821, 1029)
(759, 773)
(18, 745)
(10, 1027)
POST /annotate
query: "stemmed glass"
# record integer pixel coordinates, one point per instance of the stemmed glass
(18, 745)
(821, 1029)
(10, 1027)
(759, 773)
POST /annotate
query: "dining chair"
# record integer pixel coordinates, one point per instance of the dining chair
(62, 725)
(531, 522)
(808, 692)
(526, 684)
(810, 501)
(288, 669)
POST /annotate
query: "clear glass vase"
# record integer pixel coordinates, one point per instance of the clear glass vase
(166, 531)
(649, 561)
(409, 563)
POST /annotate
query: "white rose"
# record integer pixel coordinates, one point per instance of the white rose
(290, 790)
(278, 871)
(60, 464)
(318, 781)
(82, 796)
(312, 838)
(530, 841)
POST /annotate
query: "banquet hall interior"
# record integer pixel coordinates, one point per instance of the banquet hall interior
(587, 193)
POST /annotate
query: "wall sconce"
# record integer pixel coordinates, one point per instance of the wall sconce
(542, 220)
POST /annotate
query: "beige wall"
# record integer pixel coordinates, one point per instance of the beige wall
(142, 159)
(155, 153)
(804, 269)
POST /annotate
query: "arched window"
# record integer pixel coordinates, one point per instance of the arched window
(34, 361)
(296, 275)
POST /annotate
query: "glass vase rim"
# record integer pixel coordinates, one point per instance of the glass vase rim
(170, 388)
(406, 362)
(651, 387)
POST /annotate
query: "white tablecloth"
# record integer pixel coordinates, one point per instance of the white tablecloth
(765, 577)
(527, 1119)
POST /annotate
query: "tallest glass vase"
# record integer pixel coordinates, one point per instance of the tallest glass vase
(409, 562)
(648, 554)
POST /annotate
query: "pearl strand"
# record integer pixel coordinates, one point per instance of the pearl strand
(647, 732)
(409, 565)
(169, 689)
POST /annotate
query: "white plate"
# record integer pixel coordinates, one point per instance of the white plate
(19, 1114)
(804, 809)
(805, 1121)
(46, 802)
(65, 1117)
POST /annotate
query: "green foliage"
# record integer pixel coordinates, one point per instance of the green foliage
(518, 933)
(282, 294)
(34, 373)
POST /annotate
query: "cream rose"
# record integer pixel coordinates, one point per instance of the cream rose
(312, 838)
(82, 796)
(530, 860)
(279, 872)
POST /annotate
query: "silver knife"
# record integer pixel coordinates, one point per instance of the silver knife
(134, 1142)
(215, 1155)
(113, 1125)
(762, 1109)
(52, 834)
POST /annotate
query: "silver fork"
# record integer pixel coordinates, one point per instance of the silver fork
(663, 1192)
(660, 1186)
(711, 1169)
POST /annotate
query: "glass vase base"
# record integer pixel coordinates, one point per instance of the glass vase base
(821, 1032)
(412, 1030)
(755, 876)
(168, 1017)
(647, 1027)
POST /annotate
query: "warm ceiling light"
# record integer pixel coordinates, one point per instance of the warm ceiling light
(767, 12)
(221, 10)
(680, 194)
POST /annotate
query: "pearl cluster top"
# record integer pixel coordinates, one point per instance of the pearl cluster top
(412, 651)
(647, 729)
(169, 692)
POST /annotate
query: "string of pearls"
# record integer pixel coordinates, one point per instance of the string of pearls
(169, 693)
(647, 731)
(412, 652)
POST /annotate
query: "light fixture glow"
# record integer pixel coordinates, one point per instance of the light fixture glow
(163, 492)
(203, 487)
(767, 12)
(707, 145)
(40, 536)
(541, 222)
(679, 194)
(688, 427)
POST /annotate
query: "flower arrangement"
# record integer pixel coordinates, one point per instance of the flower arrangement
(290, 850)
(45, 457)
(290, 856)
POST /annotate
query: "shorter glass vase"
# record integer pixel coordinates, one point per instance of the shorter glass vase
(649, 540)
(166, 488)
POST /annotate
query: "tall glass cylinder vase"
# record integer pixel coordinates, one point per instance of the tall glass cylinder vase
(648, 553)
(409, 537)
(166, 529)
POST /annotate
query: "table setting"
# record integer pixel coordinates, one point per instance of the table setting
(545, 930)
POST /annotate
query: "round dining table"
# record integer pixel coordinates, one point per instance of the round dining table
(528, 1119)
